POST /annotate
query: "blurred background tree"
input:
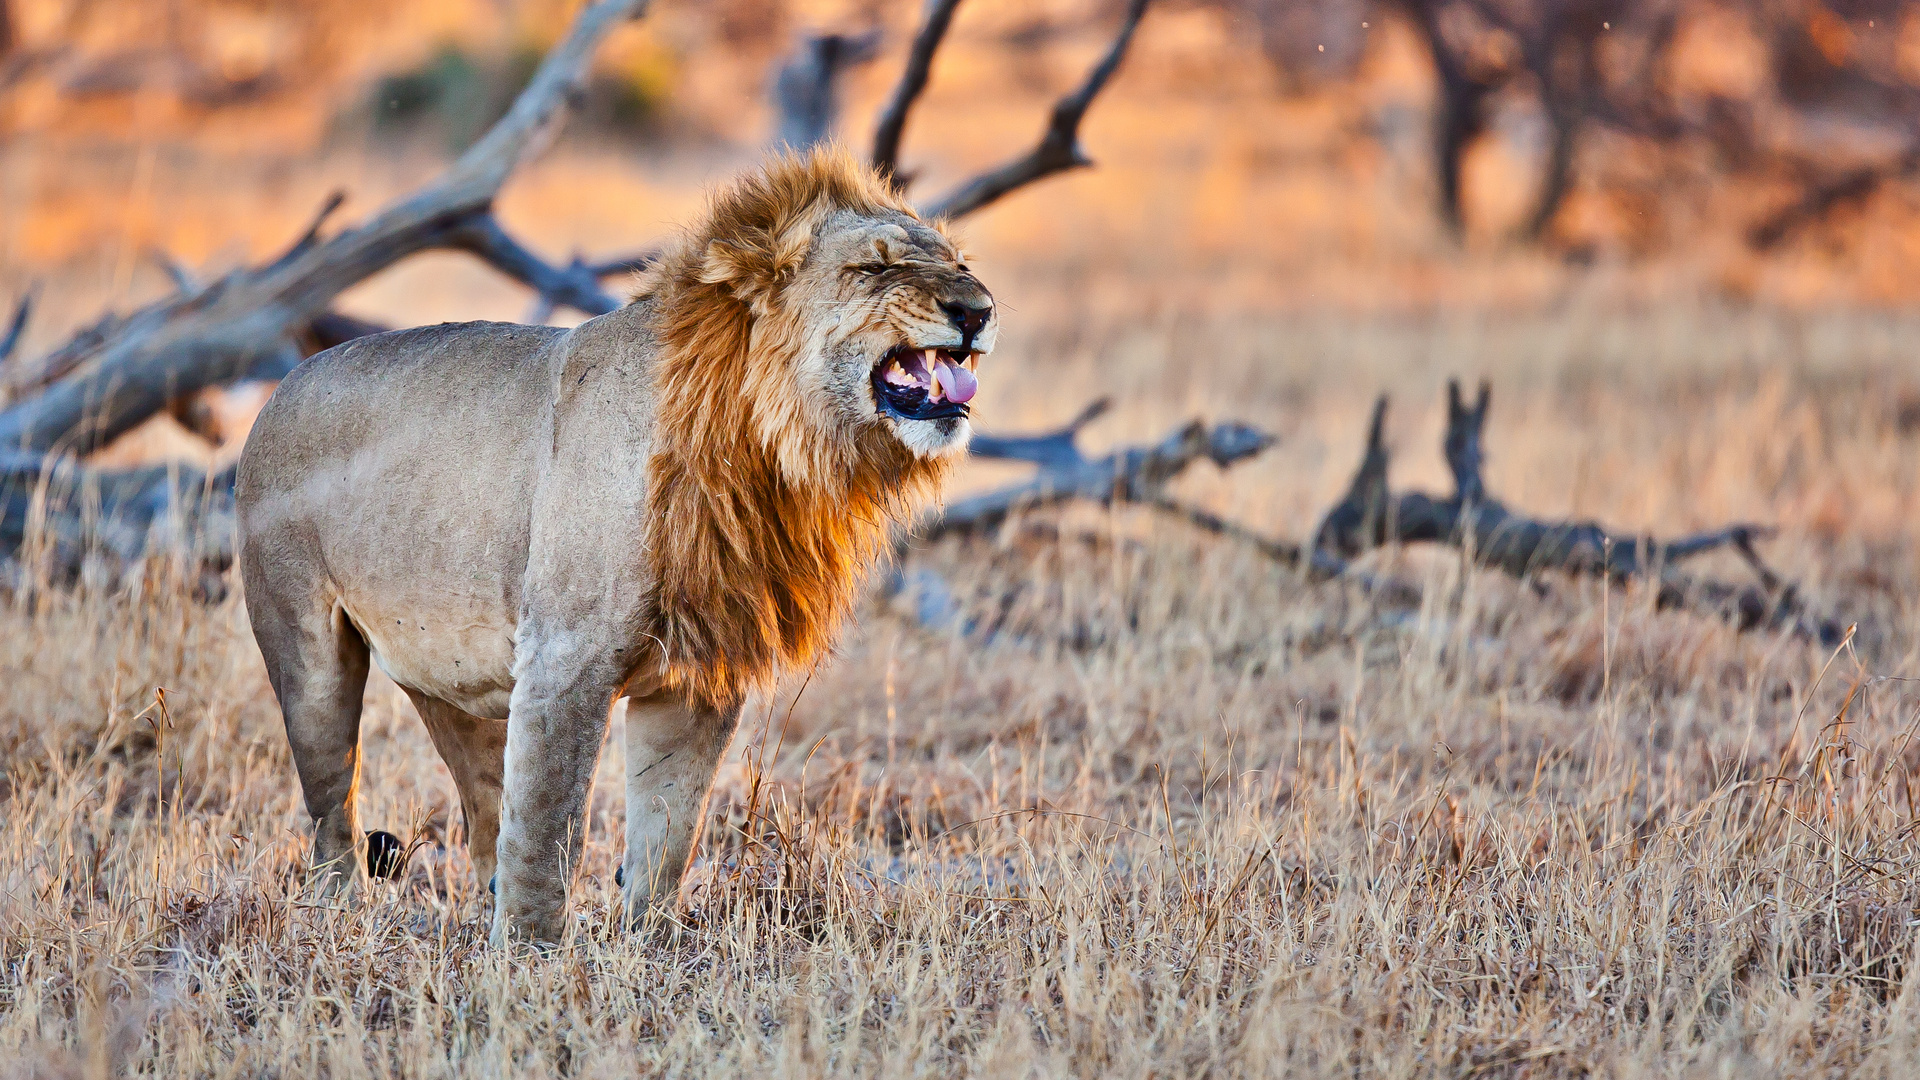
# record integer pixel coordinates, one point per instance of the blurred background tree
(1737, 137)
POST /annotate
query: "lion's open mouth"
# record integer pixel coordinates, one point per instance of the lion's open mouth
(924, 384)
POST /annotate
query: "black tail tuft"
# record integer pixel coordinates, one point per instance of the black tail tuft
(386, 855)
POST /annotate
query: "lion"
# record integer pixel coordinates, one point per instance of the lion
(672, 503)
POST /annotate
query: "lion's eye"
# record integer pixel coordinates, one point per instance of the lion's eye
(871, 268)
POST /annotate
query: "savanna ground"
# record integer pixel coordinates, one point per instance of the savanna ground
(1183, 812)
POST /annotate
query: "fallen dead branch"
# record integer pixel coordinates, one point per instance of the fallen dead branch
(1137, 474)
(256, 322)
(1371, 516)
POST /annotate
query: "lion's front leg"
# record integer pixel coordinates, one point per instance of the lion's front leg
(556, 721)
(673, 748)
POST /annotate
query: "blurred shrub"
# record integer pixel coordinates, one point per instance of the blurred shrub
(633, 93)
(455, 91)
(459, 93)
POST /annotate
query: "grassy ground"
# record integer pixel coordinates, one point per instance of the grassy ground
(1185, 814)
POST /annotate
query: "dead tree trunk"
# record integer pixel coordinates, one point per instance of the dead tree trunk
(1459, 109)
(807, 88)
(1561, 57)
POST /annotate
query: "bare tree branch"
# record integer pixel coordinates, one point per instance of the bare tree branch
(1136, 474)
(1823, 199)
(331, 328)
(251, 317)
(1053, 449)
(632, 264)
(311, 235)
(575, 285)
(913, 82)
(17, 326)
(182, 278)
(1207, 521)
(1059, 148)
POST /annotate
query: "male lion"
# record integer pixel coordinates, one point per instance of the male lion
(670, 502)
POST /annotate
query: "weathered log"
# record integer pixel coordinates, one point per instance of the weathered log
(1137, 474)
(255, 322)
(1371, 516)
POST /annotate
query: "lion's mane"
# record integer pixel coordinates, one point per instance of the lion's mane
(760, 527)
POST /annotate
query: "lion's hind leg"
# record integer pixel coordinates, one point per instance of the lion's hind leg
(475, 750)
(317, 663)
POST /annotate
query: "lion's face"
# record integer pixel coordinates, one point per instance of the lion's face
(896, 329)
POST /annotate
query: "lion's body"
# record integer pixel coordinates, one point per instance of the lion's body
(521, 524)
(332, 488)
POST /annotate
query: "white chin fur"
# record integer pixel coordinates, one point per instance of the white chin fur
(934, 438)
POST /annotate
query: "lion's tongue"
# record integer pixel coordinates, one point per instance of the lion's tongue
(954, 381)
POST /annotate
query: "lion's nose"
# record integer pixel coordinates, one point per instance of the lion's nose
(967, 319)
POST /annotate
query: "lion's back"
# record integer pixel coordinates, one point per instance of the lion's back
(383, 386)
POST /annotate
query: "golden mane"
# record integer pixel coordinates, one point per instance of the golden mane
(760, 527)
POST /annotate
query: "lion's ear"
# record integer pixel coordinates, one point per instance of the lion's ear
(756, 270)
(728, 262)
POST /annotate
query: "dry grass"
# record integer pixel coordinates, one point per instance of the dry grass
(1183, 814)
